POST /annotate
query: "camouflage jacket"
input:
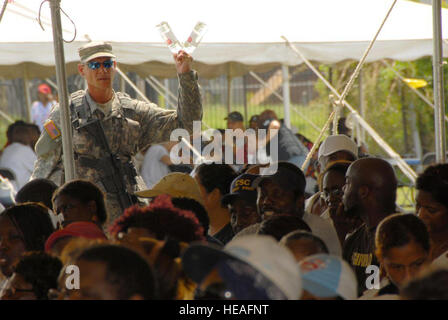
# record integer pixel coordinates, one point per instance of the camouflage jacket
(129, 125)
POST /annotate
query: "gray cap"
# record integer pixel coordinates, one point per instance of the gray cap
(94, 50)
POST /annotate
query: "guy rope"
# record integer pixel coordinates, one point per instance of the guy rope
(334, 116)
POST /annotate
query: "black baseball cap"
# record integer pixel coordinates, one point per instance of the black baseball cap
(287, 175)
(242, 187)
(234, 116)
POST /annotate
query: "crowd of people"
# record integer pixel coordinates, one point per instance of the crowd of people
(221, 234)
(208, 231)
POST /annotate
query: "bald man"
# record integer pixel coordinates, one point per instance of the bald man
(370, 192)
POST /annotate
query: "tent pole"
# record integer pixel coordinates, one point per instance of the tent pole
(275, 93)
(404, 167)
(166, 85)
(330, 80)
(229, 93)
(141, 85)
(67, 139)
(170, 98)
(439, 112)
(122, 85)
(26, 88)
(160, 89)
(245, 99)
(286, 96)
(51, 83)
(153, 85)
(5, 3)
(5, 116)
(418, 93)
(157, 86)
(362, 106)
(415, 134)
(165, 88)
(404, 117)
(123, 76)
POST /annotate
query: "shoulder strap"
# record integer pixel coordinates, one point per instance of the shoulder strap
(79, 109)
(127, 103)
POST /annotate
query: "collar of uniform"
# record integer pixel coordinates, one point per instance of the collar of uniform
(105, 108)
(116, 109)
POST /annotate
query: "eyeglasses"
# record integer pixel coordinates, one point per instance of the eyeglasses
(336, 192)
(94, 65)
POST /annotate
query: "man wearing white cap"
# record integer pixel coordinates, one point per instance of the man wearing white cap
(333, 148)
(248, 268)
(109, 127)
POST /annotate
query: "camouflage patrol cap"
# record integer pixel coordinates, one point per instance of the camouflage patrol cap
(94, 50)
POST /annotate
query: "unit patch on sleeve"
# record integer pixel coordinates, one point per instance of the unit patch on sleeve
(52, 130)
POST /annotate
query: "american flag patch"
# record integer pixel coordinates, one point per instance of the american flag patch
(52, 130)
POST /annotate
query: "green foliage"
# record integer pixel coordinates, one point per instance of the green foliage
(3, 127)
(388, 101)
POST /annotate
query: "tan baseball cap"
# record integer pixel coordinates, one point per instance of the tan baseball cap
(94, 50)
(175, 184)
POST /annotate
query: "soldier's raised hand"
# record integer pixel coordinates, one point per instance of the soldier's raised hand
(183, 61)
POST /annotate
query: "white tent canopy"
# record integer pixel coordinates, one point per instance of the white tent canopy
(243, 35)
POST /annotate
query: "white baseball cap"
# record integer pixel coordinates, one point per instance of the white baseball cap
(271, 264)
(335, 143)
(325, 276)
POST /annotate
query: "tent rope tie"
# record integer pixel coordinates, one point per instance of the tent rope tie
(366, 53)
(338, 106)
(347, 87)
(40, 22)
(316, 144)
(404, 167)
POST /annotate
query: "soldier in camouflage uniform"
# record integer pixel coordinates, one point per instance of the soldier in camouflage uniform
(129, 125)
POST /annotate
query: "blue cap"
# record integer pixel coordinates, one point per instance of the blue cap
(326, 276)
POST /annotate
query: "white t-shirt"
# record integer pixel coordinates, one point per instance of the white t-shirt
(311, 184)
(153, 169)
(325, 230)
(310, 201)
(40, 113)
(320, 227)
(441, 261)
(19, 158)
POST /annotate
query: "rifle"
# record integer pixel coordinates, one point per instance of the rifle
(110, 165)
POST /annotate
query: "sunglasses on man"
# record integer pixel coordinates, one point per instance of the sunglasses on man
(94, 65)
